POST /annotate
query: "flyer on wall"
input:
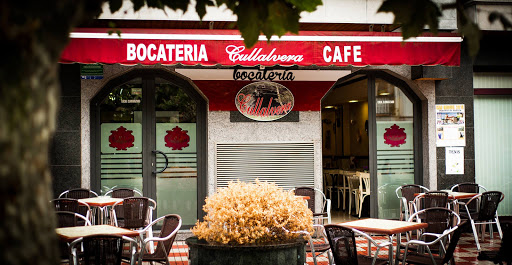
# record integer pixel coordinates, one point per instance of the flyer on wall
(450, 125)
(454, 160)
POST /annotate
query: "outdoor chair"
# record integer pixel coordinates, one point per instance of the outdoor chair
(71, 219)
(317, 242)
(431, 199)
(122, 193)
(72, 205)
(101, 249)
(487, 213)
(321, 214)
(137, 212)
(439, 221)
(353, 190)
(411, 256)
(171, 224)
(343, 246)
(468, 187)
(406, 194)
(79, 193)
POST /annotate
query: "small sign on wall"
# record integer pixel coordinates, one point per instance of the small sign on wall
(454, 160)
(450, 125)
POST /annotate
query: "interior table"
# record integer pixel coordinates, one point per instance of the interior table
(101, 202)
(386, 227)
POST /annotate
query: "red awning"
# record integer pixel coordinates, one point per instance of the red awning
(225, 47)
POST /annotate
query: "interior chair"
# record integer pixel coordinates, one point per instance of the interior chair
(329, 184)
(171, 224)
(411, 256)
(317, 242)
(101, 249)
(364, 189)
(343, 246)
(72, 205)
(406, 194)
(353, 187)
(487, 213)
(321, 214)
(343, 186)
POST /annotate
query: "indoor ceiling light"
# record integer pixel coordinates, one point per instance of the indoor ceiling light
(328, 107)
(384, 94)
(353, 101)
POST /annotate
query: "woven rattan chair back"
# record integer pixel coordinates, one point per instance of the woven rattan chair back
(307, 191)
(410, 191)
(122, 193)
(433, 199)
(489, 202)
(163, 248)
(66, 204)
(135, 211)
(104, 250)
(343, 244)
(438, 219)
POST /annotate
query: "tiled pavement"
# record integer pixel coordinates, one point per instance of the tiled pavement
(465, 254)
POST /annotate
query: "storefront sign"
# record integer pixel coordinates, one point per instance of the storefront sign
(455, 160)
(263, 75)
(91, 71)
(264, 101)
(192, 47)
(450, 125)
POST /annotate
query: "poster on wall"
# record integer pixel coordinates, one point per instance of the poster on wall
(450, 125)
(455, 160)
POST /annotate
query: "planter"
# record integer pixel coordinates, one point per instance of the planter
(204, 253)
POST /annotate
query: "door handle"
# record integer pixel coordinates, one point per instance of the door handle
(166, 161)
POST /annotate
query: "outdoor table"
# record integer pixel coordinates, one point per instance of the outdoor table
(453, 196)
(101, 202)
(386, 227)
(69, 234)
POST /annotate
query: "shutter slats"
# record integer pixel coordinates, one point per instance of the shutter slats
(288, 165)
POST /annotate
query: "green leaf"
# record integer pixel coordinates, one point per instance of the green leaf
(115, 5)
(413, 15)
(201, 7)
(306, 5)
(138, 4)
(248, 21)
(282, 17)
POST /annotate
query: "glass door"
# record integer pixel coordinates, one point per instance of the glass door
(147, 139)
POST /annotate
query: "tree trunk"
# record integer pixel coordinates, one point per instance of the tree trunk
(27, 115)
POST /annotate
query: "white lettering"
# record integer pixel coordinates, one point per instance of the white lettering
(346, 52)
(130, 49)
(337, 55)
(151, 55)
(327, 58)
(141, 52)
(179, 53)
(170, 48)
(357, 54)
(202, 54)
(161, 53)
(235, 55)
(188, 53)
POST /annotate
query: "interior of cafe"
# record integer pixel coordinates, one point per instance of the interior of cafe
(345, 145)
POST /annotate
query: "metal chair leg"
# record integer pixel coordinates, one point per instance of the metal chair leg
(475, 234)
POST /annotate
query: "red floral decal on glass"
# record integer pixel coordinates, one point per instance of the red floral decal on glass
(177, 139)
(121, 139)
(395, 136)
